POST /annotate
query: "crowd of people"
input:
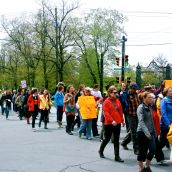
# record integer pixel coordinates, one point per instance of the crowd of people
(147, 115)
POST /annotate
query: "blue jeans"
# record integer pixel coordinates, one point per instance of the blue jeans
(86, 124)
(7, 109)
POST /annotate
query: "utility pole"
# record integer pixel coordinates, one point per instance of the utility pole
(123, 60)
(56, 48)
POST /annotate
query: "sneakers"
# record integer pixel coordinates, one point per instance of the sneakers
(89, 138)
(162, 163)
(33, 129)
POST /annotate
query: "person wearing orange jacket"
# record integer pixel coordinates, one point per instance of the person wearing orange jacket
(33, 106)
(112, 124)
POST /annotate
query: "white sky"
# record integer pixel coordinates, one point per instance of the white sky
(142, 28)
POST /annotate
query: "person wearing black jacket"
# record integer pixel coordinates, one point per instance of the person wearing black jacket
(6, 101)
(77, 119)
(123, 99)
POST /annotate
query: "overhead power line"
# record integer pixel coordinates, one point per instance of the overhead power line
(148, 12)
(140, 45)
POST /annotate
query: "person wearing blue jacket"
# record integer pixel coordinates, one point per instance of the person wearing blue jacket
(166, 118)
(59, 102)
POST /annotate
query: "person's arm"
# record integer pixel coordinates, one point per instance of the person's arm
(55, 99)
(160, 89)
(142, 125)
(66, 99)
(164, 117)
(17, 100)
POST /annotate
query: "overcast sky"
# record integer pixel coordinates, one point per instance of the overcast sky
(149, 25)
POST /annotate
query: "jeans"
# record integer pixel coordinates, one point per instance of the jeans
(69, 120)
(133, 122)
(86, 125)
(7, 109)
(44, 117)
(34, 115)
(108, 131)
(59, 113)
(163, 137)
(94, 126)
(159, 155)
(144, 144)
(21, 112)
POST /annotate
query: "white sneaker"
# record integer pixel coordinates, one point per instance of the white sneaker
(33, 129)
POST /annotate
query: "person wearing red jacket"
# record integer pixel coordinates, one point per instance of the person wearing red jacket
(112, 124)
(33, 106)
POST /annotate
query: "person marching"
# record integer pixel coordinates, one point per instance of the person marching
(45, 103)
(97, 94)
(166, 118)
(112, 124)
(70, 108)
(87, 111)
(6, 101)
(59, 102)
(146, 133)
(19, 103)
(33, 106)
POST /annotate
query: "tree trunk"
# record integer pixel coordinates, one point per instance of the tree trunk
(28, 75)
(90, 70)
(32, 77)
(61, 74)
(101, 73)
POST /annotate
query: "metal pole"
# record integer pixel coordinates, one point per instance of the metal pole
(123, 55)
(56, 48)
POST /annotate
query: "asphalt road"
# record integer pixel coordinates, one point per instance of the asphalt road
(52, 150)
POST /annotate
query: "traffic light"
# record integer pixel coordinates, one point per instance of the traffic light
(128, 80)
(126, 60)
(117, 61)
(118, 80)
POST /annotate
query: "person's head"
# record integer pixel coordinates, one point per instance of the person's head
(112, 92)
(147, 98)
(22, 92)
(81, 87)
(60, 84)
(96, 87)
(123, 86)
(14, 91)
(148, 88)
(70, 89)
(61, 88)
(8, 92)
(87, 91)
(133, 88)
(45, 92)
(168, 92)
(34, 91)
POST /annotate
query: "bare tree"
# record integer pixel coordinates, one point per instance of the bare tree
(61, 35)
(21, 35)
